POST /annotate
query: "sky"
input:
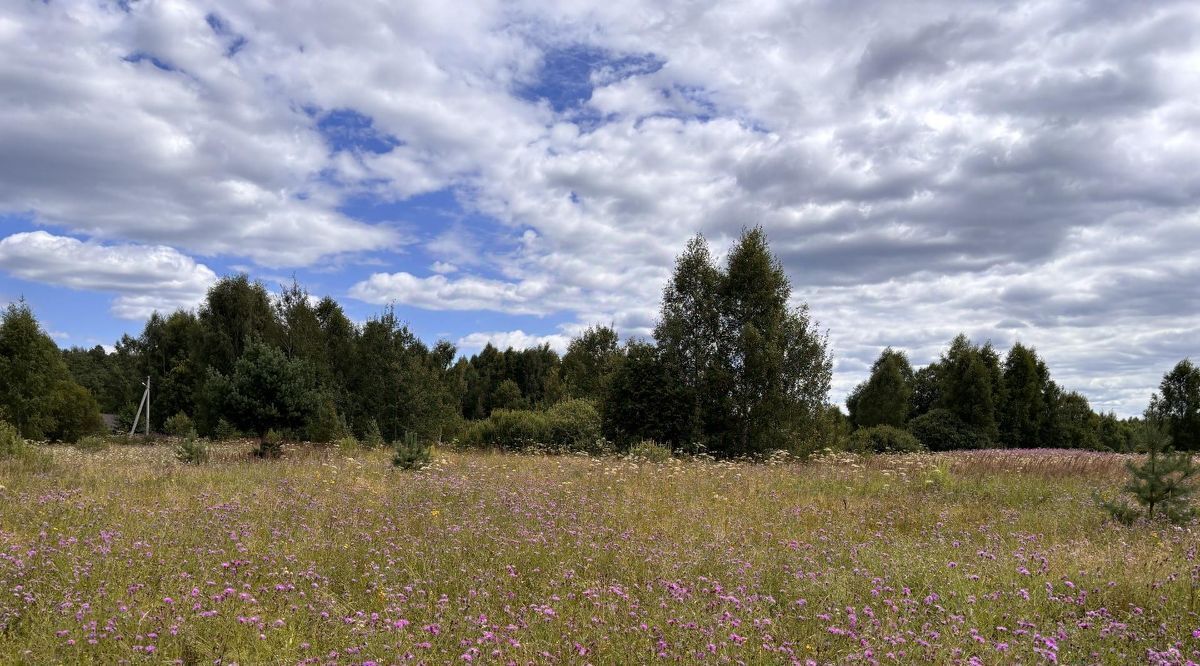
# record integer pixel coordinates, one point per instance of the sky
(514, 171)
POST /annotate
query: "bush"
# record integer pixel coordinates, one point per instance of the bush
(192, 450)
(574, 425)
(225, 431)
(347, 444)
(884, 439)
(571, 425)
(74, 413)
(941, 430)
(92, 443)
(326, 425)
(11, 442)
(411, 454)
(372, 438)
(270, 446)
(649, 450)
(179, 425)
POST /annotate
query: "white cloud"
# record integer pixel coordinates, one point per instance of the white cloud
(920, 169)
(517, 339)
(147, 278)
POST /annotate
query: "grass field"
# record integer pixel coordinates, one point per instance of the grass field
(323, 557)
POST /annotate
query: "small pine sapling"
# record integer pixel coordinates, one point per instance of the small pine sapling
(1163, 482)
(411, 454)
(191, 450)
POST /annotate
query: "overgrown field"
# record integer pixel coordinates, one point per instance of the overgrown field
(324, 557)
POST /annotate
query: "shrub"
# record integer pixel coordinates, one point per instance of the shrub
(270, 446)
(92, 443)
(574, 425)
(650, 451)
(347, 444)
(372, 438)
(326, 425)
(884, 439)
(179, 425)
(74, 413)
(411, 454)
(225, 431)
(11, 442)
(571, 425)
(941, 430)
(192, 450)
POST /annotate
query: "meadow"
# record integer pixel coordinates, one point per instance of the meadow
(328, 556)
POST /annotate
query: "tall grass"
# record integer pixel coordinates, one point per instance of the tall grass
(321, 556)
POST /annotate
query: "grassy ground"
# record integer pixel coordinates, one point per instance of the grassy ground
(321, 557)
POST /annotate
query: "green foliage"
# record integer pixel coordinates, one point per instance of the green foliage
(326, 424)
(411, 453)
(941, 430)
(886, 397)
(1164, 480)
(270, 445)
(571, 425)
(92, 444)
(179, 425)
(508, 396)
(649, 450)
(590, 362)
(646, 400)
(73, 412)
(37, 394)
(884, 439)
(225, 431)
(348, 444)
(267, 391)
(754, 370)
(1177, 405)
(1024, 413)
(968, 386)
(372, 439)
(11, 442)
(1075, 425)
(192, 450)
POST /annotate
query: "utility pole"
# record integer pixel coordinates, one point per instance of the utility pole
(145, 403)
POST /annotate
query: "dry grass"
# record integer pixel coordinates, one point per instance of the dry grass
(323, 557)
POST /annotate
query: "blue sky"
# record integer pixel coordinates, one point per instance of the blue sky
(517, 171)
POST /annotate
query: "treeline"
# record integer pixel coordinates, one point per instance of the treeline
(733, 369)
(972, 398)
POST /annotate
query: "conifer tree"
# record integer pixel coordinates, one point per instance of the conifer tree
(1164, 481)
(885, 398)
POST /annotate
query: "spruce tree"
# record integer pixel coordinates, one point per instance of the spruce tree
(885, 398)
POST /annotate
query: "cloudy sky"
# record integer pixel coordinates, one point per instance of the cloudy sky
(516, 170)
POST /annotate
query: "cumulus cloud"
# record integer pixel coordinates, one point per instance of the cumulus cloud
(1017, 170)
(148, 278)
(517, 339)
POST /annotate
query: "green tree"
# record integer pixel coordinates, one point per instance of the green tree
(778, 364)
(1163, 480)
(235, 313)
(886, 397)
(968, 386)
(645, 400)
(266, 391)
(508, 396)
(37, 394)
(590, 361)
(927, 390)
(689, 333)
(1024, 414)
(1177, 405)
